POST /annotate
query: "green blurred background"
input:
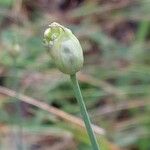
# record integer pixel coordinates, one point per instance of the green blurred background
(115, 79)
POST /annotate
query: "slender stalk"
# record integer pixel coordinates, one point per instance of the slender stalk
(84, 113)
(19, 140)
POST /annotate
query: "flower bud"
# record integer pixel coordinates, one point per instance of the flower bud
(15, 50)
(64, 48)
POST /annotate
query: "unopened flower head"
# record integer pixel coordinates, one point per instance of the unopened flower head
(15, 50)
(64, 48)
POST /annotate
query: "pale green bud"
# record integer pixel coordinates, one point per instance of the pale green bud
(64, 48)
(14, 51)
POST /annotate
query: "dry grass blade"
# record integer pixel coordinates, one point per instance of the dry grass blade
(108, 88)
(59, 113)
(122, 106)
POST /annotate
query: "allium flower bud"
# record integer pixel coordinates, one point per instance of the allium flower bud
(64, 48)
(15, 50)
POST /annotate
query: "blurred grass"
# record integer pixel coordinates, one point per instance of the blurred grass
(115, 40)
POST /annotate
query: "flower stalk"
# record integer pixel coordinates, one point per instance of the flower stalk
(83, 110)
(66, 53)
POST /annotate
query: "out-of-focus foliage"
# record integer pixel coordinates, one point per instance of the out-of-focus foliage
(115, 79)
(6, 3)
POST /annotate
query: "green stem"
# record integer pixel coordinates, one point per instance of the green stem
(19, 140)
(83, 110)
